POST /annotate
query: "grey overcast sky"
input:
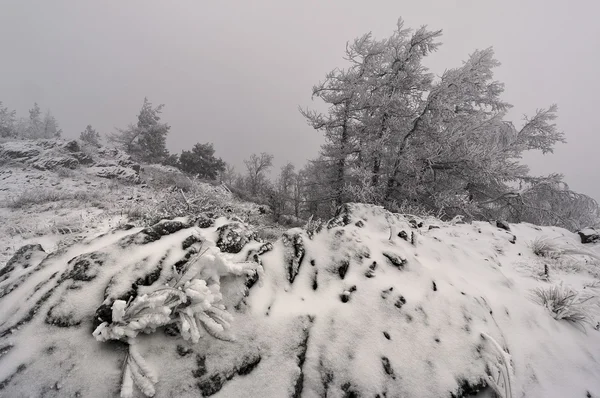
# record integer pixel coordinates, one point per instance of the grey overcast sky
(234, 72)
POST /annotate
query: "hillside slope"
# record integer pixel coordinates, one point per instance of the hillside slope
(369, 304)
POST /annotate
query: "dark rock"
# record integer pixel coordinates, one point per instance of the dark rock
(72, 146)
(400, 301)
(434, 287)
(233, 237)
(589, 235)
(502, 225)
(83, 158)
(349, 392)
(248, 365)
(121, 173)
(5, 382)
(395, 259)
(125, 227)
(433, 227)
(84, 267)
(370, 273)
(513, 239)
(265, 247)
(211, 385)
(15, 151)
(345, 296)
(359, 224)
(403, 235)
(153, 233)
(385, 293)
(189, 241)
(103, 314)
(387, 335)
(60, 320)
(203, 221)
(293, 253)
(29, 315)
(387, 367)
(52, 163)
(182, 351)
(22, 258)
(341, 218)
(466, 389)
(151, 277)
(171, 330)
(200, 365)
(300, 359)
(343, 268)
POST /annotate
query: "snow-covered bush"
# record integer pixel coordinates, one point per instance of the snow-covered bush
(199, 197)
(565, 303)
(551, 249)
(44, 195)
(192, 301)
(544, 247)
(314, 226)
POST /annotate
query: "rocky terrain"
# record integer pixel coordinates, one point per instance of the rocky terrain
(367, 304)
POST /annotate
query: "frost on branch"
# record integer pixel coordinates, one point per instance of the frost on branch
(192, 301)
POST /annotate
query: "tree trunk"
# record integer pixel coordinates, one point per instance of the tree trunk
(341, 165)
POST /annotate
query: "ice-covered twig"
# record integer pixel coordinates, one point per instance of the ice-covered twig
(501, 383)
(194, 304)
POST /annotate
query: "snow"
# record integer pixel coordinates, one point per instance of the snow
(451, 307)
(479, 289)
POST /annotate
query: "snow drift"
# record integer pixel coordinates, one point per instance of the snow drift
(369, 304)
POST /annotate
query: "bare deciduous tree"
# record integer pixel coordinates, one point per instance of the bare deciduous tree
(257, 166)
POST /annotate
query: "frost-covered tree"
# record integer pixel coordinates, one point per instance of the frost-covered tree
(90, 135)
(34, 127)
(50, 128)
(7, 122)
(257, 166)
(395, 133)
(280, 196)
(228, 175)
(370, 100)
(201, 161)
(38, 126)
(146, 140)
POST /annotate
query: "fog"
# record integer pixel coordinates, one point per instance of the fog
(234, 73)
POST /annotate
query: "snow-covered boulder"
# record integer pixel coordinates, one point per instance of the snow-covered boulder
(116, 172)
(19, 150)
(373, 304)
(589, 235)
(55, 154)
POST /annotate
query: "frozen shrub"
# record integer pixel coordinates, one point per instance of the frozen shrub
(544, 247)
(565, 303)
(42, 196)
(192, 301)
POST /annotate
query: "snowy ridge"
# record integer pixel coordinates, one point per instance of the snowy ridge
(369, 304)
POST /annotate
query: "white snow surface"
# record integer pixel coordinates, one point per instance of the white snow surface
(410, 330)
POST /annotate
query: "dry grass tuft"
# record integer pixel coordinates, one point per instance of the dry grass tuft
(43, 196)
(565, 303)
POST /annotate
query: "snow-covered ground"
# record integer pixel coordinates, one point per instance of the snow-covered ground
(365, 314)
(370, 304)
